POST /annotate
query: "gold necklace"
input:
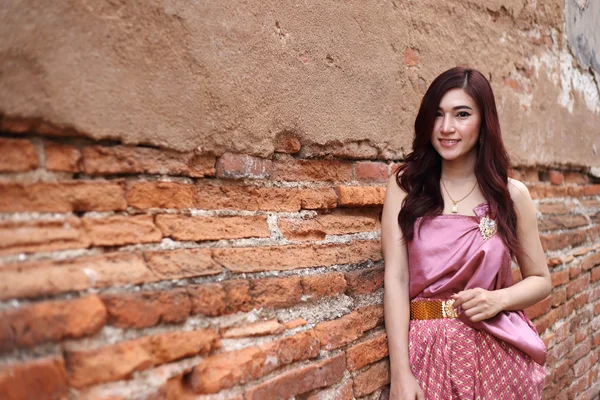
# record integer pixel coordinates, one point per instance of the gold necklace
(454, 203)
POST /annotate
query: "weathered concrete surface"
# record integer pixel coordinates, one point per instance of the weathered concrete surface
(583, 31)
(343, 77)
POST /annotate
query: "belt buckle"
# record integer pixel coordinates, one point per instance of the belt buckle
(447, 310)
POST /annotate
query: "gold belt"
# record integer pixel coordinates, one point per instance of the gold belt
(432, 309)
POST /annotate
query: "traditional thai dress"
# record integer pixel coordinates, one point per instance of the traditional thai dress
(500, 358)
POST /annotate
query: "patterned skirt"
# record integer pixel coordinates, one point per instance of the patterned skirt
(453, 361)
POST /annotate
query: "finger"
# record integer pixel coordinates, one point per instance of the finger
(478, 317)
(471, 304)
(473, 311)
(463, 297)
(420, 395)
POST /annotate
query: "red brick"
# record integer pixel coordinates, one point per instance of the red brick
(554, 208)
(368, 171)
(364, 281)
(554, 261)
(576, 178)
(323, 285)
(585, 364)
(558, 241)
(40, 379)
(590, 203)
(411, 57)
(276, 292)
(300, 380)
(578, 285)
(340, 392)
(170, 195)
(372, 349)
(559, 296)
(53, 277)
(280, 258)
(121, 360)
(108, 160)
(591, 261)
(225, 370)
(580, 300)
(560, 350)
(580, 350)
(62, 157)
(144, 309)
(66, 196)
(220, 298)
(371, 316)
(562, 222)
(596, 339)
(17, 125)
(287, 144)
(556, 177)
(574, 269)
(562, 368)
(121, 230)
(594, 234)
(559, 277)
(183, 263)
(246, 197)
(339, 332)
(516, 275)
(312, 170)
(591, 190)
(540, 308)
(530, 175)
(34, 236)
(261, 328)
(240, 166)
(318, 227)
(53, 321)
(582, 251)
(595, 274)
(539, 191)
(360, 196)
(372, 378)
(193, 228)
(17, 155)
(295, 323)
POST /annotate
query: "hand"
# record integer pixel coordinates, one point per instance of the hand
(478, 304)
(406, 388)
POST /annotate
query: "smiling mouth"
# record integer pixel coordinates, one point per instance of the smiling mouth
(449, 142)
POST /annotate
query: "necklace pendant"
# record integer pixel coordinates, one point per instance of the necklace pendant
(454, 208)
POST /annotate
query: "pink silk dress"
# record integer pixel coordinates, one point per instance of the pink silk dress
(500, 358)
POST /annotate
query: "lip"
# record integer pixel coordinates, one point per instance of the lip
(449, 142)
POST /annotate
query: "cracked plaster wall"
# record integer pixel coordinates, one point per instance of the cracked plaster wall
(345, 78)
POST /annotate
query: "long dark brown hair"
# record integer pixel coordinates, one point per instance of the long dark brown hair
(420, 174)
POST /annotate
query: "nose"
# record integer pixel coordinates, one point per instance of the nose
(447, 126)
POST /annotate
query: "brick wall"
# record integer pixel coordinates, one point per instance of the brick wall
(134, 272)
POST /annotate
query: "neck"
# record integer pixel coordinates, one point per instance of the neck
(462, 169)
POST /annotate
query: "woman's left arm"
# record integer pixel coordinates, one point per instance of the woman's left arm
(480, 304)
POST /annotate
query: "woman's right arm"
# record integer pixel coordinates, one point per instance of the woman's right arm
(396, 296)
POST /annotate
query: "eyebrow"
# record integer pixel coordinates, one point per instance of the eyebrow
(459, 108)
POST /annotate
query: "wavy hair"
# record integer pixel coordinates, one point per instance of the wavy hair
(420, 174)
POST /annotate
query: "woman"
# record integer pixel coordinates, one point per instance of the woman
(452, 220)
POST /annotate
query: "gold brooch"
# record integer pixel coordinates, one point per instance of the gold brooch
(487, 227)
(447, 310)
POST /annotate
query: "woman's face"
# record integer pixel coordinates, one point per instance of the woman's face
(456, 128)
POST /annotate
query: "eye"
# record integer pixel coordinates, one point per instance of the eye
(438, 114)
(463, 114)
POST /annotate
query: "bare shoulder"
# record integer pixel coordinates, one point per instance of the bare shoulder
(519, 194)
(393, 190)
